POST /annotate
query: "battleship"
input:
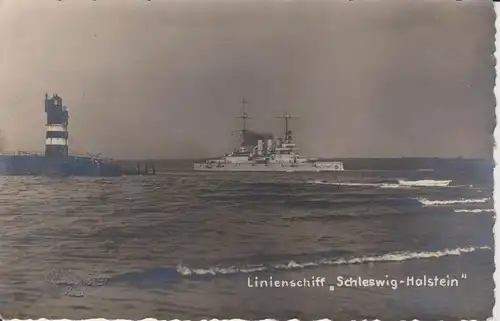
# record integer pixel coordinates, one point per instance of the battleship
(56, 160)
(268, 155)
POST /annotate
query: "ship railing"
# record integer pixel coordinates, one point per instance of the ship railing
(80, 155)
(21, 153)
(42, 154)
(98, 158)
(86, 155)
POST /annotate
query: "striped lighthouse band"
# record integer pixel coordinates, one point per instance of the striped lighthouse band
(56, 128)
(56, 135)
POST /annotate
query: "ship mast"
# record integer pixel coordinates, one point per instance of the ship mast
(244, 117)
(288, 132)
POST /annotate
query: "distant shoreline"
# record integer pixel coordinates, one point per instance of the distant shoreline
(323, 159)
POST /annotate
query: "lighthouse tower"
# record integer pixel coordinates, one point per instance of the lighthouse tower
(56, 137)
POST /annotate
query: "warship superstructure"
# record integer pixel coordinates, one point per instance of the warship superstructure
(274, 155)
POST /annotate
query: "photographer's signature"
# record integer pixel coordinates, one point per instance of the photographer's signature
(74, 282)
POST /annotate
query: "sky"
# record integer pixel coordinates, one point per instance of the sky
(164, 78)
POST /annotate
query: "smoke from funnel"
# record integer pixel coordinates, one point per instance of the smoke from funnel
(250, 138)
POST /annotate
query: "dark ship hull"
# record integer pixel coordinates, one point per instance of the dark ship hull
(60, 167)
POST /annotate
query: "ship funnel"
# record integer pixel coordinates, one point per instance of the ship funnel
(269, 146)
(260, 147)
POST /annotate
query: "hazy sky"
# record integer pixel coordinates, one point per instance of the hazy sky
(164, 78)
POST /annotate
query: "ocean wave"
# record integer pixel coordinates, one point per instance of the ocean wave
(388, 185)
(400, 184)
(389, 257)
(381, 185)
(341, 184)
(425, 182)
(476, 210)
(428, 202)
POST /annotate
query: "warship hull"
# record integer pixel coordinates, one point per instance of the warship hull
(238, 167)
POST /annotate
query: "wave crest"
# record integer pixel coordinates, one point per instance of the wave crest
(425, 182)
(427, 202)
(475, 210)
(399, 184)
(390, 257)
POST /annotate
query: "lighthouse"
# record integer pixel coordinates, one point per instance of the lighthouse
(56, 137)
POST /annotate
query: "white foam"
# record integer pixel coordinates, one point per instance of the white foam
(428, 202)
(425, 182)
(476, 210)
(385, 185)
(402, 184)
(390, 257)
(380, 185)
(343, 184)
